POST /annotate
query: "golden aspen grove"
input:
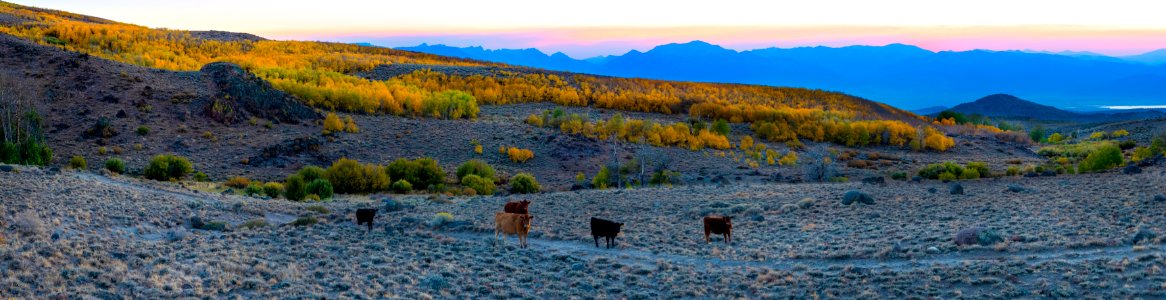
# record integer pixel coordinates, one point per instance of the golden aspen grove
(325, 75)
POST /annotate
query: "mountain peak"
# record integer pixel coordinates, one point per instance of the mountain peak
(696, 47)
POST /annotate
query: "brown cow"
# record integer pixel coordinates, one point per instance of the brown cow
(516, 224)
(718, 225)
(517, 207)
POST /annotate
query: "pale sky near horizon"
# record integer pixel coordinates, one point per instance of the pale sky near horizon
(600, 27)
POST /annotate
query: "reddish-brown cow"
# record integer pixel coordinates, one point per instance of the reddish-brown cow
(517, 207)
(718, 225)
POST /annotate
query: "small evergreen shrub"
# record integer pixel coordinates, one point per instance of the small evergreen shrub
(476, 167)
(294, 188)
(253, 189)
(167, 167)
(402, 186)
(524, 183)
(143, 130)
(321, 188)
(78, 162)
(201, 177)
(273, 189)
(311, 173)
(480, 185)
(117, 166)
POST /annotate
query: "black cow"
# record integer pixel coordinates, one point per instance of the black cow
(607, 229)
(366, 215)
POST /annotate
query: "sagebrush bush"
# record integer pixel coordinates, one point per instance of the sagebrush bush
(305, 221)
(402, 186)
(237, 182)
(201, 177)
(78, 162)
(320, 209)
(1105, 158)
(167, 167)
(519, 155)
(524, 183)
(475, 167)
(143, 130)
(480, 185)
(932, 171)
(273, 189)
(981, 169)
(321, 188)
(899, 176)
(254, 223)
(117, 166)
(332, 123)
(295, 188)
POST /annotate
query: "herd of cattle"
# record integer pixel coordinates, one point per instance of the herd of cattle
(515, 219)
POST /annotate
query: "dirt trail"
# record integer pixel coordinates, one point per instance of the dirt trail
(633, 256)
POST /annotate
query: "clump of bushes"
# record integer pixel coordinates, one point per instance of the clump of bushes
(254, 223)
(320, 209)
(321, 188)
(524, 183)
(115, 165)
(480, 185)
(421, 173)
(899, 176)
(1106, 157)
(237, 182)
(78, 162)
(305, 221)
(295, 188)
(201, 177)
(440, 219)
(349, 176)
(949, 171)
(167, 167)
(475, 167)
(519, 155)
(253, 190)
(402, 186)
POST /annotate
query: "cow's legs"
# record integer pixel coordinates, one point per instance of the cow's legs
(596, 240)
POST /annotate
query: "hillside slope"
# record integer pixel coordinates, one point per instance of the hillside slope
(1008, 106)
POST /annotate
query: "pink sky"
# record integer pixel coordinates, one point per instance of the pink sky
(594, 41)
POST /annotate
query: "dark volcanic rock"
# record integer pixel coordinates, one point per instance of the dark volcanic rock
(280, 154)
(879, 180)
(242, 95)
(1131, 169)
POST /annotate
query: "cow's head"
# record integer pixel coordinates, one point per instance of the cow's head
(618, 226)
(524, 203)
(728, 220)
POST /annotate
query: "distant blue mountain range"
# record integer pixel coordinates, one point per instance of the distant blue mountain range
(901, 75)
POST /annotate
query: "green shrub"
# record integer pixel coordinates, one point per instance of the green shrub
(981, 169)
(946, 176)
(253, 189)
(305, 221)
(254, 223)
(215, 226)
(1013, 171)
(143, 130)
(237, 182)
(294, 188)
(78, 162)
(1106, 157)
(440, 219)
(201, 177)
(422, 172)
(167, 167)
(524, 183)
(840, 179)
(721, 127)
(664, 177)
(350, 177)
(480, 185)
(26, 153)
(602, 178)
(1127, 144)
(476, 167)
(321, 188)
(273, 189)
(320, 209)
(933, 171)
(1141, 153)
(311, 173)
(899, 176)
(1078, 150)
(313, 198)
(970, 174)
(117, 166)
(402, 186)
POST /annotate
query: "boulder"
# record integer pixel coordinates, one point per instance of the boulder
(1015, 188)
(1160, 198)
(1131, 170)
(956, 189)
(6, 168)
(856, 196)
(1144, 235)
(916, 179)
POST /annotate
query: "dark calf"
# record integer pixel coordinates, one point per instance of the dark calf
(606, 229)
(366, 215)
(517, 207)
(718, 225)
